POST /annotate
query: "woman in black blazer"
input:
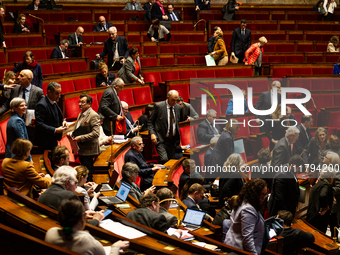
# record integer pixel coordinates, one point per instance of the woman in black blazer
(20, 26)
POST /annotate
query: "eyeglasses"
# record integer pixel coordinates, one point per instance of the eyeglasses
(81, 102)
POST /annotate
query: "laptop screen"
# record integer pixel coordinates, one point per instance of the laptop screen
(193, 217)
(123, 191)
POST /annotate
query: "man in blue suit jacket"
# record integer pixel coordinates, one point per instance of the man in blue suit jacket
(146, 171)
(49, 119)
(61, 50)
(115, 47)
(240, 41)
(103, 26)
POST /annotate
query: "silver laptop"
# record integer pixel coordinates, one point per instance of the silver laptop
(121, 196)
(193, 219)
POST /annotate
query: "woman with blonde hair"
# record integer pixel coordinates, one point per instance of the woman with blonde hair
(104, 78)
(21, 174)
(333, 43)
(219, 53)
(20, 26)
(254, 54)
(82, 173)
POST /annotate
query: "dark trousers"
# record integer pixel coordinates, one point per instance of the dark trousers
(257, 71)
(328, 17)
(88, 162)
(240, 57)
(166, 150)
(333, 222)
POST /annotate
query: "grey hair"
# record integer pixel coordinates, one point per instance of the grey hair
(172, 92)
(213, 141)
(274, 83)
(64, 41)
(64, 173)
(135, 139)
(52, 86)
(327, 173)
(234, 159)
(113, 29)
(124, 103)
(129, 169)
(292, 131)
(118, 82)
(15, 102)
(333, 157)
(211, 111)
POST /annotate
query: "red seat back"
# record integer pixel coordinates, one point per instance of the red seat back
(142, 95)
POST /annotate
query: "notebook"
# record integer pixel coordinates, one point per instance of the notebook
(121, 196)
(111, 185)
(193, 219)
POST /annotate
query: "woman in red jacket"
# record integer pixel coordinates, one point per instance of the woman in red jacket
(253, 55)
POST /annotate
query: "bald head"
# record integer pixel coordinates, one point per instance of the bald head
(172, 97)
(79, 31)
(25, 77)
(102, 20)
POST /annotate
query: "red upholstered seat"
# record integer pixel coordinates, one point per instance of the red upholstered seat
(47, 68)
(150, 49)
(332, 58)
(90, 52)
(148, 61)
(168, 48)
(322, 84)
(208, 73)
(61, 67)
(185, 60)
(167, 61)
(188, 49)
(2, 146)
(126, 96)
(99, 96)
(276, 59)
(136, 114)
(258, 85)
(321, 101)
(93, 82)
(66, 142)
(82, 84)
(35, 41)
(243, 72)
(153, 77)
(336, 99)
(177, 176)
(322, 70)
(142, 95)
(281, 72)
(44, 87)
(224, 106)
(200, 61)
(71, 108)
(305, 47)
(183, 90)
(2, 57)
(334, 119)
(220, 73)
(170, 75)
(66, 86)
(15, 56)
(187, 74)
(85, 17)
(287, 47)
(3, 127)
(19, 41)
(244, 127)
(301, 83)
(78, 66)
(295, 59)
(95, 103)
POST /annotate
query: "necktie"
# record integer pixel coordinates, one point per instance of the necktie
(24, 94)
(172, 120)
(242, 34)
(173, 17)
(104, 27)
(76, 39)
(215, 131)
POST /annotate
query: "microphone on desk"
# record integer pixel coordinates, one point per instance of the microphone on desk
(28, 14)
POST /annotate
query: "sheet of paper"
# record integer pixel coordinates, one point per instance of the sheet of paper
(239, 146)
(120, 229)
(210, 60)
(200, 244)
(30, 115)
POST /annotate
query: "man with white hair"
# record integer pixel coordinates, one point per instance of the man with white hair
(31, 93)
(64, 183)
(206, 129)
(130, 129)
(265, 102)
(163, 126)
(117, 49)
(283, 149)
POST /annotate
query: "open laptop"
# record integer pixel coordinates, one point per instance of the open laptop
(111, 185)
(193, 219)
(121, 196)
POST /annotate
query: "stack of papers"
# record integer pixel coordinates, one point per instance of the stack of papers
(121, 230)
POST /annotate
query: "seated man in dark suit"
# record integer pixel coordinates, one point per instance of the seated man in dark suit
(148, 214)
(60, 157)
(117, 49)
(75, 40)
(172, 14)
(31, 93)
(130, 128)
(206, 129)
(195, 195)
(146, 171)
(294, 238)
(103, 26)
(187, 111)
(148, 5)
(163, 194)
(282, 150)
(208, 153)
(305, 135)
(285, 189)
(188, 169)
(64, 183)
(61, 50)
